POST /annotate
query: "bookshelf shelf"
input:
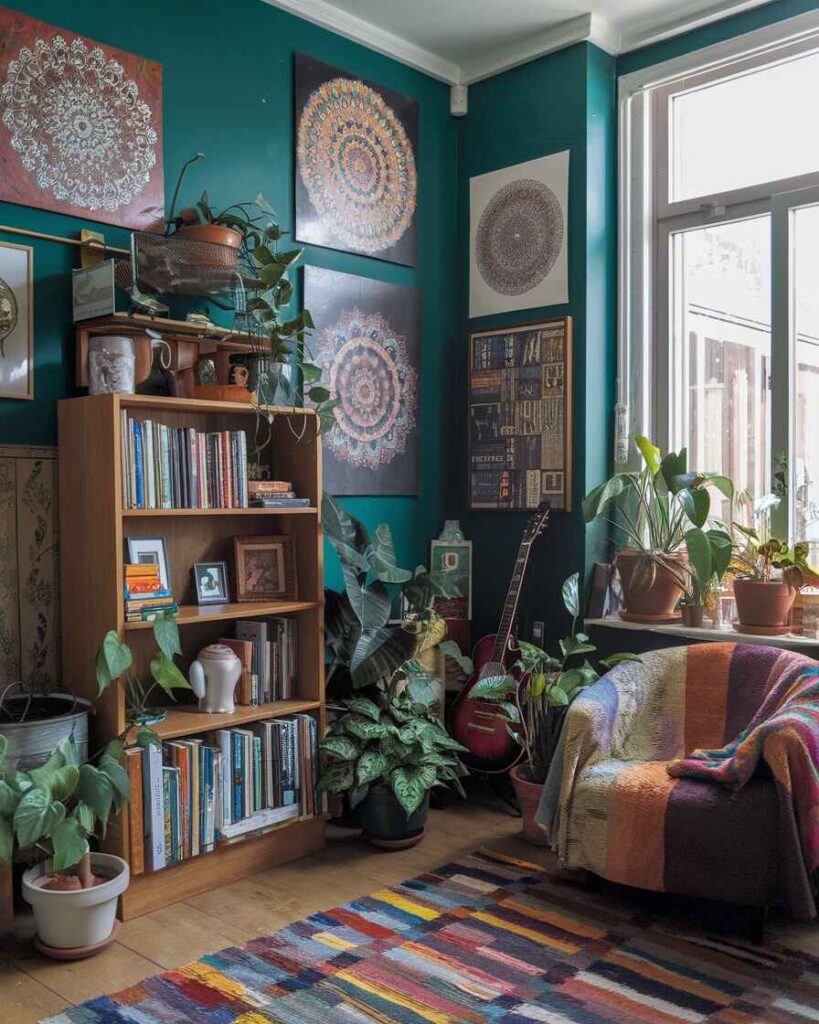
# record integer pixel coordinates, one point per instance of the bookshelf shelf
(142, 513)
(94, 529)
(188, 721)
(195, 613)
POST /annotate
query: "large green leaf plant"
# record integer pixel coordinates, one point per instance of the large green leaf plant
(398, 743)
(56, 809)
(365, 644)
(663, 509)
(536, 703)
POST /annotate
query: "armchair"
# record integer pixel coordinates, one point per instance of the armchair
(610, 806)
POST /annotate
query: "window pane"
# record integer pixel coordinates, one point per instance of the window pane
(805, 469)
(720, 353)
(744, 131)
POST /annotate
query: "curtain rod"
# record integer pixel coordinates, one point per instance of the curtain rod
(90, 244)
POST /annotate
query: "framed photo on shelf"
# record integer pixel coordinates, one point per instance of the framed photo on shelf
(150, 550)
(265, 569)
(211, 582)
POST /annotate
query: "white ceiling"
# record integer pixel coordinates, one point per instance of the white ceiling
(462, 41)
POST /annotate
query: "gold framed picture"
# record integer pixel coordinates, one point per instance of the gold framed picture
(265, 569)
(16, 321)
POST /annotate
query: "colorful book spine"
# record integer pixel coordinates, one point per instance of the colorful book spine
(136, 823)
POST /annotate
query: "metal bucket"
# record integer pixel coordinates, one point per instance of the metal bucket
(48, 719)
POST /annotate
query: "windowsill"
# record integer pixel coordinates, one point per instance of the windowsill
(789, 640)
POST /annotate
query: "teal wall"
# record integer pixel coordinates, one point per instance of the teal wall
(565, 100)
(228, 92)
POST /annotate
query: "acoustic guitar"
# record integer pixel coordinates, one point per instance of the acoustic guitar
(480, 725)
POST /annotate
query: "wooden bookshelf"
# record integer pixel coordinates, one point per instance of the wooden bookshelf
(93, 530)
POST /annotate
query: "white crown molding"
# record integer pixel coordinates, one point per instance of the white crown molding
(586, 27)
(646, 33)
(360, 31)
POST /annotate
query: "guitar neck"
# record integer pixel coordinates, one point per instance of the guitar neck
(511, 604)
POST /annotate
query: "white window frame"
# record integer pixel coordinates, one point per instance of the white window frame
(647, 218)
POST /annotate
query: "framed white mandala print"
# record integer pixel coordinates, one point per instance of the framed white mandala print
(16, 321)
(518, 232)
(367, 342)
(80, 126)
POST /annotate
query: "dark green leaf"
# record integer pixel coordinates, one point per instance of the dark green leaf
(310, 373)
(371, 766)
(8, 799)
(452, 650)
(699, 555)
(166, 634)
(113, 658)
(411, 784)
(147, 737)
(167, 674)
(365, 707)
(382, 560)
(69, 843)
(85, 816)
(96, 790)
(558, 697)
(6, 841)
(697, 505)
(117, 776)
(342, 748)
(492, 688)
(357, 794)
(615, 659)
(337, 778)
(363, 729)
(573, 645)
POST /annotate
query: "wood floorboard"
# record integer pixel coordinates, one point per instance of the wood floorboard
(32, 988)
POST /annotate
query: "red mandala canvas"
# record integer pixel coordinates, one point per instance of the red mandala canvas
(80, 126)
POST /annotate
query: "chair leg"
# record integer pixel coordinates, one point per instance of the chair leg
(756, 928)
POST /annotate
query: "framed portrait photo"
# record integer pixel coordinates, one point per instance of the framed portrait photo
(150, 550)
(211, 582)
(265, 569)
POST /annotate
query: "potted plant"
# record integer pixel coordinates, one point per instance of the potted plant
(386, 758)
(51, 812)
(366, 644)
(709, 555)
(656, 509)
(115, 662)
(539, 701)
(251, 228)
(769, 576)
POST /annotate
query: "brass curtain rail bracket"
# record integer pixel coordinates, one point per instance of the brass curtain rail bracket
(91, 243)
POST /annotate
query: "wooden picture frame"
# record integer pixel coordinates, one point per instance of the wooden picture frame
(16, 321)
(520, 417)
(265, 568)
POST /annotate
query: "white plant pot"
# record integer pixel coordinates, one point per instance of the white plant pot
(85, 917)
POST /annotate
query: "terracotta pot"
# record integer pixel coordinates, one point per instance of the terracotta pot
(658, 598)
(692, 615)
(763, 604)
(217, 234)
(528, 796)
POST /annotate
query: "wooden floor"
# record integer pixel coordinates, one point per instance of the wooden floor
(32, 987)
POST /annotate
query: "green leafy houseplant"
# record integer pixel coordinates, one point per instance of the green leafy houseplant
(546, 688)
(366, 647)
(661, 511)
(398, 744)
(265, 271)
(54, 810)
(115, 662)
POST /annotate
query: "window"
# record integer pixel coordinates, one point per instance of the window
(719, 346)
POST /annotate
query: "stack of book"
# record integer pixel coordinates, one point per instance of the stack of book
(144, 593)
(165, 466)
(268, 650)
(274, 494)
(193, 794)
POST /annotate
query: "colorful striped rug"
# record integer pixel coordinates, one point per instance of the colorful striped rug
(486, 939)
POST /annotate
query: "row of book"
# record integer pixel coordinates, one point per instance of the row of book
(192, 794)
(144, 593)
(180, 467)
(268, 651)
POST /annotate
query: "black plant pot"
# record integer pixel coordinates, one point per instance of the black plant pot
(385, 821)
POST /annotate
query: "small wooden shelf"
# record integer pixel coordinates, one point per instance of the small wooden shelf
(196, 613)
(133, 513)
(188, 720)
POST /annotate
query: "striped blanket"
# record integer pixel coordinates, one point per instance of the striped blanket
(622, 799)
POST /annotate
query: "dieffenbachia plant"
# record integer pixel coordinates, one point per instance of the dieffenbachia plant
(399, 743)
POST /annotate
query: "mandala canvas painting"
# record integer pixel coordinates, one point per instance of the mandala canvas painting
(80, 126)
(368, 343)
(518, 236)
(356, 164)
